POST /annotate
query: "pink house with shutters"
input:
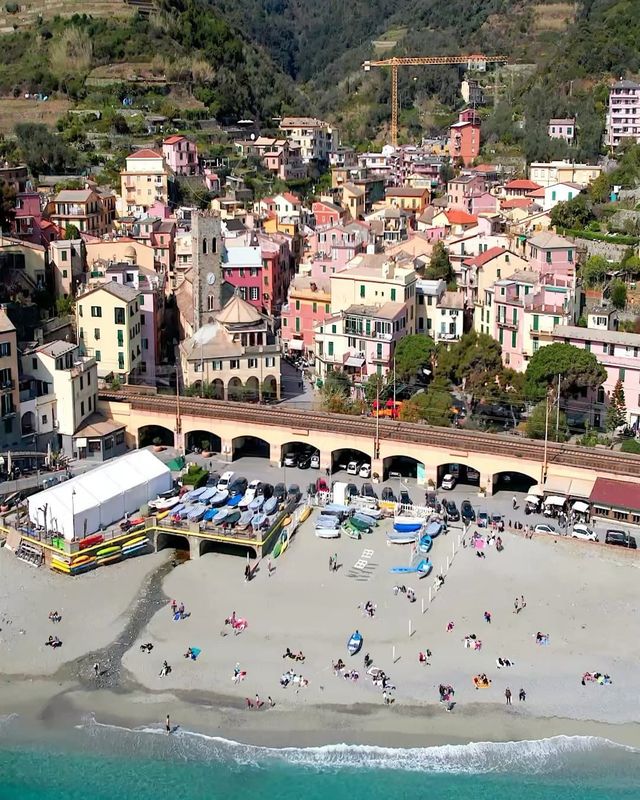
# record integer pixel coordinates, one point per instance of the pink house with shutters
(181, 154)
(549, 253)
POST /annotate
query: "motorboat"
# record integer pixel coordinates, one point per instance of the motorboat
(425, 543)
(196, 512)
(220, 498)
(234, 501)
(422, 568)
(210, 514)
(370, 511)
(327, 522)
(402, 537)
(232, 518)
(245, 518)
(435, 528)
(354, 645)
(222, 515)
(369, 521)
(327, 533)
(258, 521)
(164, 503)
(208, 493)
(257, 503)
(336, 509)
(358, 524)
(270, 506)
(404, 524)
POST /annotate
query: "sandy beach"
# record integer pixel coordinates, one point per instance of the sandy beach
(583, 595)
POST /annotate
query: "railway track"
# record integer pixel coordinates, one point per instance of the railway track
(454, 440)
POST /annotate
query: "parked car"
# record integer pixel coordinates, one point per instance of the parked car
(280, 492)
(448, 482)
(452, 510)
(304, 461)
(545, 527)
(387, 495)
(294, 493)
(213, 479)
(467, 512)
(620, 539)
(368, 491)
(290, 459)
(238, 486)
(583, 532)
(225, 480)
(322, 485)
(483, 519)
(365, 471)
(352, 468)
(405, 499)
(430, 499)
(315, 460)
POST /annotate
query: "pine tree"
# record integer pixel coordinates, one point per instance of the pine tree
(617, 411)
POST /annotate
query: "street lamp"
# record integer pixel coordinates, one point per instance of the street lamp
(73, 514)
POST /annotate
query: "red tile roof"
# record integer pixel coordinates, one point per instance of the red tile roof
(482, 168)
(174, 139)
(146, 153)
(292, 198)
(516, 202)
(483, 258)
(456, 217)
(539, 192)
(618, 494)
(522, 183)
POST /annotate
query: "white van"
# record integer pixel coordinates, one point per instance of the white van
(365, 471)
(225, 481)
(352, 468)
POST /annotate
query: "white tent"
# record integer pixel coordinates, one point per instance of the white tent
(82, 505)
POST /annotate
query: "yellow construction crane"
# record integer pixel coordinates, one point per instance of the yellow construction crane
(473, 62)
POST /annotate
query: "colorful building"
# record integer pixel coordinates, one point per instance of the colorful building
(144, 181)
(464, 139)
(89, 211)
(308, 304)
(564, 129)
(181, 155)
(623, 116)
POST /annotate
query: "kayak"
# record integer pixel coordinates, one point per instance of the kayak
(89, 541)
(133, 541)
(108, 551)
(305, 513)
(355, 643)
(425, 543)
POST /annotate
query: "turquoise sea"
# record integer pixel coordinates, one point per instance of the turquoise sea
(99, 762)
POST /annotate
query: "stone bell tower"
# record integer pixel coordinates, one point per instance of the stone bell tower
(207, 245)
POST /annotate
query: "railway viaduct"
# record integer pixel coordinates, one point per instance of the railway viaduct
(234, 429)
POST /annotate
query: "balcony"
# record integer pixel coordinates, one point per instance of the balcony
(507, 323)
(8, 385)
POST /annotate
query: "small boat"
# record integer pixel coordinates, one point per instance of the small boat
(245, 518)
(209, 492)
(354, 645)
(327, 533)
(222, 515)
(219, 498)
(210, 514)
(425, 543)
(280, 544)
(369, 521)
(163, 503)
(234, 501)
(336, 509)
(363, 527)
(407, 524)
(196, 512)
(435, 528)
(422, 568)
(257, 503)
(232, 518)
(246, 498)
(401, 537)
(327, 522)
(370, 511)
(305, 513)
(258, 521)
(270, 506)
(352, 533)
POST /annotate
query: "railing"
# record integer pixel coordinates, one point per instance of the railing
(507, 323)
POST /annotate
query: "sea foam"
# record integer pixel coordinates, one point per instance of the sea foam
(538, 756)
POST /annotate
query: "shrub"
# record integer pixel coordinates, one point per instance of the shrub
(11, 8)
(195, 476)
(631, 446)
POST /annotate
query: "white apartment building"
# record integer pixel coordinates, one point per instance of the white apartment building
(548, 173)
(623, 115)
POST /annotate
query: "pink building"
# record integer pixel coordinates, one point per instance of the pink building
(562, 129)
(28, 224)
(308, 303)
(619, 354)
(331, 248)
(550, 253)
(464, 138)
(181, 155)
(460, 190)
(258, 265)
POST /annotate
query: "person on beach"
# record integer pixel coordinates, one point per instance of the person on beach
(516, 606)
(96, 669)
(270, 701)
(449, 627)
(269, 567)
(335, 562)
(522, 695)
(487, 617)
(330, 563)
(522, 602)
(167, 724)
(507, 694)
(514, 502)
(174, 607)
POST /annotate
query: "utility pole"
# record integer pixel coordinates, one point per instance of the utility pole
(394, 385)
(558, 408)
(546, 438)
(376, 444)
(178, 417)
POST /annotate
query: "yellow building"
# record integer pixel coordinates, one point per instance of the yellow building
(24, 256)
(407, 198)
(108, 324)
(551, 172)
(144, 181)
(353, 200)
(480, 274)
(118, 251)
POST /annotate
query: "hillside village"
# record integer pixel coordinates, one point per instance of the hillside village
(417, 281)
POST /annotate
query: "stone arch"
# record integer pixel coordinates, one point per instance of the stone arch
(196, 438)
(463, 472)
(149, 434)
(28, 423)
(340, 458)
(513, 481)
(243, 446)
(297, 447)
(235, 389)
(399, 466)
(252, 389)
(204, 246)
(217, 389)
(175, 541)
(270, 388)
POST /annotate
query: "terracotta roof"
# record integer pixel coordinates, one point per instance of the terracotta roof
(238, 312)
(457, 217)
(618, 494)
(566, 121)
(292, 198)
(145, 153)
(405, 191)
(548, 240)
(483, 258)
(97, 425)
(482, 168)
(522, 183)
(174, 139)
(539, 192)
(517, 202)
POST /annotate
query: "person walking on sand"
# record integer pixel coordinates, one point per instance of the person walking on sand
(487, 617)
(507, 694)
(335, 562)
(522, 695)
(522, 602)
(514, 502)
(516, 607)
(96, 669)
(330, 563)
(269, 567)
(167, 724)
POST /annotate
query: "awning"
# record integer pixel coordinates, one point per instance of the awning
(295, 344)
(532, 498)
(582, 487)
(354, 361)
(581, 508)
(552, 500)
(536, 490)
(557, 485)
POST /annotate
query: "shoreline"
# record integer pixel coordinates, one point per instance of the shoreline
(59, 710)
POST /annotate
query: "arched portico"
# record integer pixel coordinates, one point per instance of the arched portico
(463, 473)
(243, 446)
(204, 440)
(399, 466)
(509, 481)
(155, 434)
(174, 541)
(341, 458)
